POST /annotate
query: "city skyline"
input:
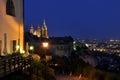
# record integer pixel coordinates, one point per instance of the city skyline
(79, 19)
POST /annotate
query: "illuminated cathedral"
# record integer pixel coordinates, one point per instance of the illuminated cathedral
(40, 32)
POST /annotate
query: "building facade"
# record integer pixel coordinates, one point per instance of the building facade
(61, 46)
(11, 26)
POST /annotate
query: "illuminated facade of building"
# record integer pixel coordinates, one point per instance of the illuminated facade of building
(61, 46)
(11, 26)
(40, 32)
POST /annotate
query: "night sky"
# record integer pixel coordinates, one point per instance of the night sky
(78, 18)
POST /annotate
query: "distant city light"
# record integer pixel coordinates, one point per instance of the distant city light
(111, 40)
(86, 45)
(74, 46)
(74, 42)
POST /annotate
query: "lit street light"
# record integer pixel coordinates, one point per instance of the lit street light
(31, 49)
(45, 46)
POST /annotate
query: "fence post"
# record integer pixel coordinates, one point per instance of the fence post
(4, 67)
(9, 64)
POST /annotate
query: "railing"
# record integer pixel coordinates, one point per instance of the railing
(11, 64)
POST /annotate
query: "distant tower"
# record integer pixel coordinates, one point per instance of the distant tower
(38, 31)
(44, 30)
(31, 29)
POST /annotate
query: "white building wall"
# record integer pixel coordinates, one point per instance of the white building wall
(11, 25)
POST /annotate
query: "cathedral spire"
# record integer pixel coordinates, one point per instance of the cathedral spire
(44, 30)
(31, 26)
(38, 31)
(38, 26)
(31, 29)
(44, 23)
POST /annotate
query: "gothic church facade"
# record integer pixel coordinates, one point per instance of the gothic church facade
(11, 26)
(40, 32)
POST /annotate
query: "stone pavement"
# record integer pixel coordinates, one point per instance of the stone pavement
(65, 77)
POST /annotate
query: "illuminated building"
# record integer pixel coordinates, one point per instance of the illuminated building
(44, 30)
(11, 26)
(61, 46)
(40, 32)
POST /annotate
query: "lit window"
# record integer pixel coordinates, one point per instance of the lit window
(10, 8)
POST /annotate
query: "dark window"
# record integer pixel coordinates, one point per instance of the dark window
(10, 8)
(14, 45)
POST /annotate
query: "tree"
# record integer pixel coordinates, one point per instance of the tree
(41, 71)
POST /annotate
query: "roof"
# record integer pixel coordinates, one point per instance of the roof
(61, 40)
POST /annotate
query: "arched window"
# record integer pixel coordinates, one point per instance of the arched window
(10, 8)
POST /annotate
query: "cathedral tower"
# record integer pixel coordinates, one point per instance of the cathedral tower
(44, 30)
(38, 31)
(31, 29)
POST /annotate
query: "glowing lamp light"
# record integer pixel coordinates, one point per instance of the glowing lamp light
(74, 48)
(45, 44)
(31, 47)
(17, 47)
(87, 45)
(56, 64)
(74, 42)
(23, 51)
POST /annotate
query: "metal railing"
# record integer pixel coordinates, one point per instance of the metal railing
(11, 64)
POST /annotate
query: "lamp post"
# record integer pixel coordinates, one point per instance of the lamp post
(45, 46)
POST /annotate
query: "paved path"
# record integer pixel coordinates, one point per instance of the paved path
(62, 77)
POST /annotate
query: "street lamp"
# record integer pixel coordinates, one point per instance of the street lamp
(45, 46)
(31, 49)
